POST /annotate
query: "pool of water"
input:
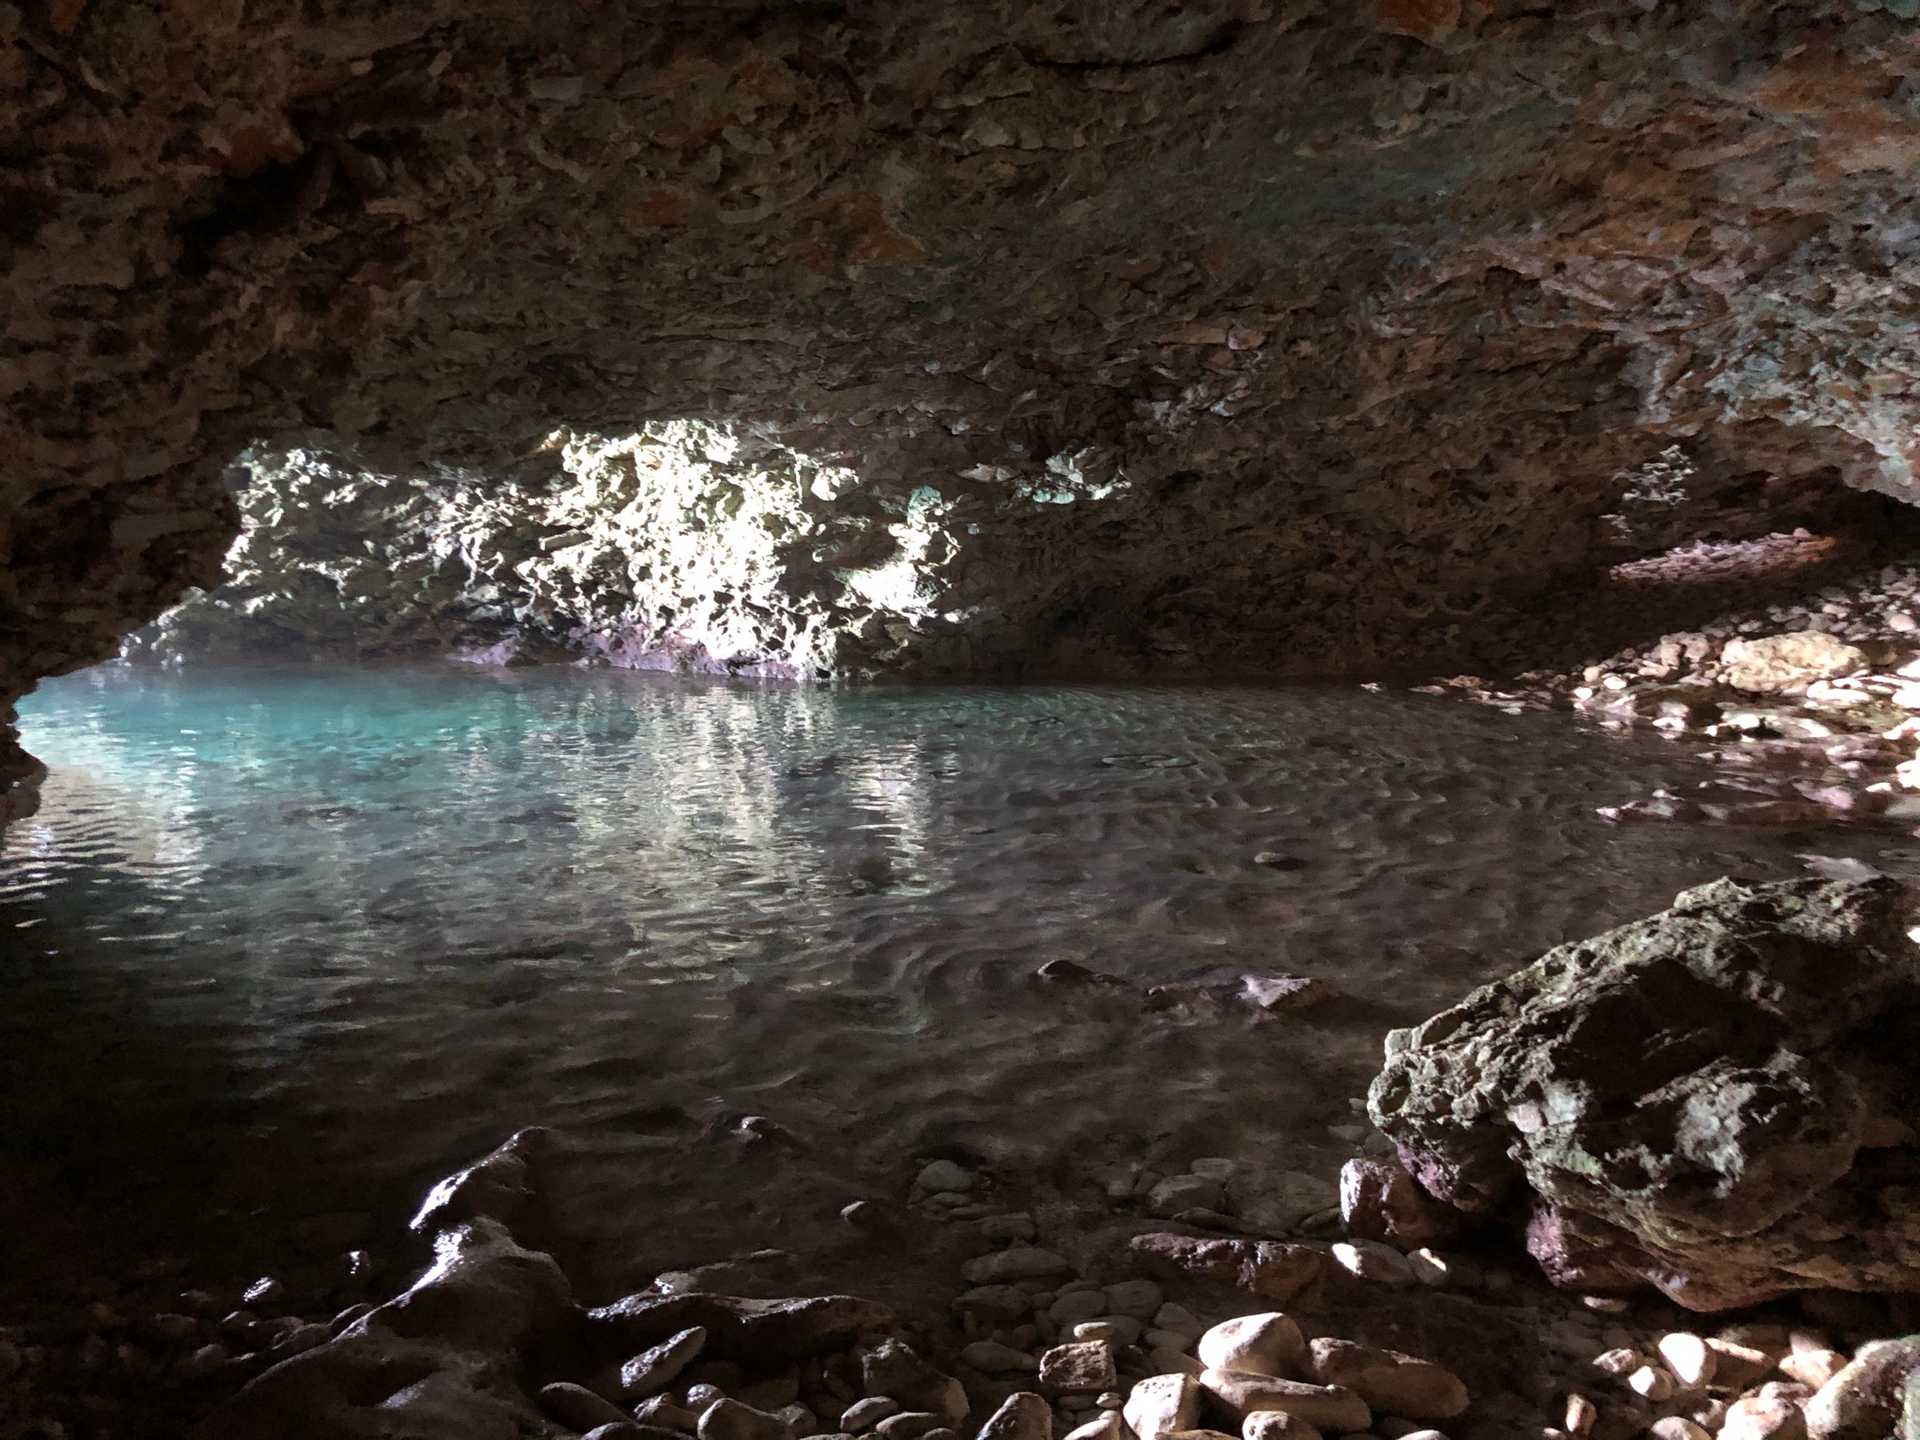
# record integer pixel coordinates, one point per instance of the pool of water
(290, 941)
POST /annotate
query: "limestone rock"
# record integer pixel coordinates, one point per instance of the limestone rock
(1743, 1152)
(1161, 1405)
(1785, 662)
(1326, 1407)
(1874, 1396)
(1390, 1381)
(1086, 1366)
(1022, 1416)
(1380, 1201)
(891, 1368)
(1265, 1344)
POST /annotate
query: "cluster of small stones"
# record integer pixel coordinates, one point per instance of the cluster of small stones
(1812, 707)
(139, 1356)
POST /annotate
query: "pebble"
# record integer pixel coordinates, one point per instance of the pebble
(942, 1175)
(1264, 1344)
(907, 1425)
(1018, 1226)
(1689, 1357)
(655, 1368)
(990, 1357)
(1676, 1427)
(1373, 1261)
(1429, 1268)
(1136, 1299)
(1764, 1417)
(1651, 1383)
(1328, 1407)
(1022, 1416)
(1162, 1405)
(661, 1413)
(1277, 1425)
(1079, 1366)
(865, 1414)
(579, 1407)
(1020, 1262)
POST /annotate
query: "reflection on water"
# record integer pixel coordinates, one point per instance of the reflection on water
(279, 942)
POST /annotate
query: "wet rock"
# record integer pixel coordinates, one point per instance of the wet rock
(1326, 1407)
(1380, 1201)
(891, 1368)
(1748, 1004)
(1080, 1366)
(496, 1187)
(1390, 1381)
(731, 1420)
(1022, 1416)
(655, 1368)
(1265, 1344)
(1874, 1396)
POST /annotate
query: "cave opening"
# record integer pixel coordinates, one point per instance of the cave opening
(900, 722)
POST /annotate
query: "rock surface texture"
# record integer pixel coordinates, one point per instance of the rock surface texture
(1242, 335)
(1716, 1100)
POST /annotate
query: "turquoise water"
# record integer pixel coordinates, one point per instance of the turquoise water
(287, 942)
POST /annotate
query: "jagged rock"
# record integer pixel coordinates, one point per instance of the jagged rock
(1022, 1416)
(459, 1332)
(654, 1368)
(1270, 1269)
(891, 1368)
(1876, 1395)
(1380, 1201)
(1086, 1366)
(1786, 662)
(1707, 1100)
(496, 1187)
(1162, 1405)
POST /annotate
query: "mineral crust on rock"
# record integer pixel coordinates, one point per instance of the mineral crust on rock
(1717, 1100)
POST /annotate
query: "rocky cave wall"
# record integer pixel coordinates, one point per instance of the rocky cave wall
(1269, 336)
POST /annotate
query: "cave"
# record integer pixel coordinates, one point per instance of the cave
(1092, 718)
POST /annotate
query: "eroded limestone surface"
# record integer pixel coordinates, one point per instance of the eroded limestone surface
(1259, 335)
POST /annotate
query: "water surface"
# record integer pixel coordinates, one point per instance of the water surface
(282, 942)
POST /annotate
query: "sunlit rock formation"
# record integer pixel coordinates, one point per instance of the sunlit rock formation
(1257, 336)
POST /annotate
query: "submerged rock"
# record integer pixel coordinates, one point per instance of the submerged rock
(1714, 1100)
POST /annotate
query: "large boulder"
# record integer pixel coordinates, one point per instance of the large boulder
(1716, 1100)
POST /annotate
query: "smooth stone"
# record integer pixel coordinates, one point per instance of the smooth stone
(661, 1413)
(1097, 1330)
(990, 1357)
(1737, 1366)
(655, 1368)
(1650, 1382)
(1017, 1226)
(1082, 1365)
(1020, 1262)
(1006, 1301)
(1390, 1381)
(865, 1414)
(1327, 1407)
(1277, 1425)
(802, 1423)
(1179, 1320)
(1185, 1192)
(1430, 1267)
(1263, 1344)
(730, 1420)
(579, 1407)
(1763, 1417)
(617, 1430)
(907, 1425)
(700, 1396)
(1021, 1416)
(1107, 1425)
(1676, 1427)
(1370, 1260)
(944, 1175)
(1689, 1357)
(1162, 1405)
(1136, 1299)
(1813, 1368)
(1174, 1362)
(1078, 1305)
(1166, 1340)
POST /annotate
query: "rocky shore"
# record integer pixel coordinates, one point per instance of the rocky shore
(1410, 1311)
